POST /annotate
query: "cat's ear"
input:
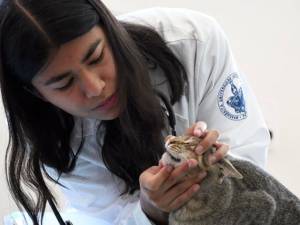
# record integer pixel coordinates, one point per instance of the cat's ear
(228, 170)
(169, 137)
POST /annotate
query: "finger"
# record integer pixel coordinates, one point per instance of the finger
(178, 173)
(175, 176)
(153, 182)
(184, 197)
(182, 170)
(209, 139)
(179, 189)
(222, 150)
(197, 129)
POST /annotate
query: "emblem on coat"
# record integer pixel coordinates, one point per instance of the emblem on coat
(231, 98)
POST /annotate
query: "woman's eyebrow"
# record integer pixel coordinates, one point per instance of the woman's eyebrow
(91, 50)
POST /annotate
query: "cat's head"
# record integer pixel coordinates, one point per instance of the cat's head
(179, 149)
(182, 148)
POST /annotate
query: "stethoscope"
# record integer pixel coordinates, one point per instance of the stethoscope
(167, 108)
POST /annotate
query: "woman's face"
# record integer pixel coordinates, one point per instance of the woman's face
(81, 77)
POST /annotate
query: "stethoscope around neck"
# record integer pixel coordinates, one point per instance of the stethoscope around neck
(167, 108)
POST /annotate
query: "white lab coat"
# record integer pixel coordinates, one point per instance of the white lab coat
(214, 85)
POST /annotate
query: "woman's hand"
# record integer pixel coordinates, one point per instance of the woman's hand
(164, 189)
(209, 139)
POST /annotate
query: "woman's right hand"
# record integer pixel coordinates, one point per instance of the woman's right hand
(164, 189)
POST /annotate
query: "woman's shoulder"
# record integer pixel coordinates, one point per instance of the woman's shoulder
(174, 24)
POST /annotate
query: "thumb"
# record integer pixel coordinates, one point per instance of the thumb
(197, 129)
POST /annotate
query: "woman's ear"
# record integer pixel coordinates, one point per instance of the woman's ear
(35, 93)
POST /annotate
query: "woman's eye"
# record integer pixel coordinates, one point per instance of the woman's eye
(65, 87)
(97, 60)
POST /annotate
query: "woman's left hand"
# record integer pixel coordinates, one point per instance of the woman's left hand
(210, 137)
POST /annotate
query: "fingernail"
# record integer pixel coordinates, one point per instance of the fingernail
(198, 132)
(199, 150)
(196, 187)
(192, 163)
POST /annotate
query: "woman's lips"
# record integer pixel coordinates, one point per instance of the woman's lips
(110, 101)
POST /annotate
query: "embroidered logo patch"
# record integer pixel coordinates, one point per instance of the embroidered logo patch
(231, 99)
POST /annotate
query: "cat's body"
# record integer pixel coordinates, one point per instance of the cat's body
(257, 199)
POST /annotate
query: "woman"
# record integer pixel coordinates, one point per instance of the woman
(80, 89)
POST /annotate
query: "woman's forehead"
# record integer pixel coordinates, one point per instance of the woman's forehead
(71, 52)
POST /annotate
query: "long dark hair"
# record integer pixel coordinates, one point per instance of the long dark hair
(39, 132)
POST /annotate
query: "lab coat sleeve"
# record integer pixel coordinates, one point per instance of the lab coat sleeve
(227, 102)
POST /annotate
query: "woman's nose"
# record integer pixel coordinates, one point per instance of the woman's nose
(91, 84)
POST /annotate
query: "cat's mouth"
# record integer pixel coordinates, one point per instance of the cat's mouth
(173, 157)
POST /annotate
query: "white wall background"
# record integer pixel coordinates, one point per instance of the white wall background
(265, 38)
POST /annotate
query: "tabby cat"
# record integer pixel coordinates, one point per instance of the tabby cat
(235, 192)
